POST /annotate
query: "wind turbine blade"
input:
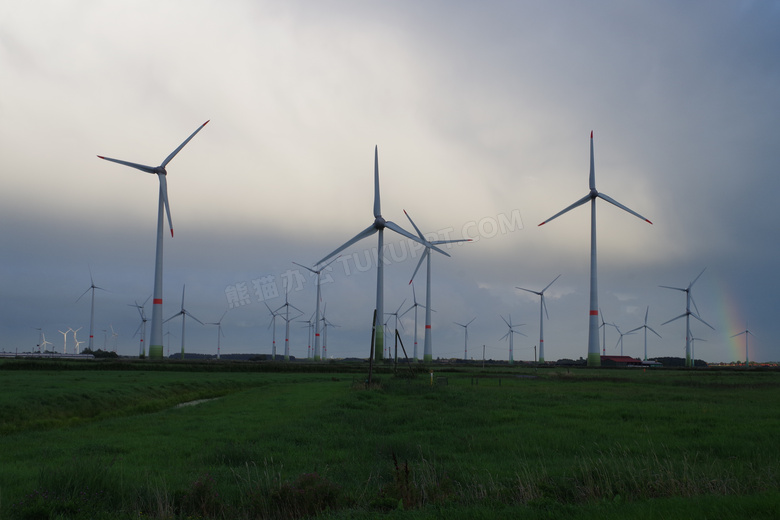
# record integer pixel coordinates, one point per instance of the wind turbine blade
(677, 318)
(401, 231)
(675, 288)
(370, 230)
(422, 257)
(377, 203)
(193, 317)
(164, 195)
(414, 225)
(549, 284)
(507, 323)
(307, 268)
(694, 280)
(529, 290)
(739, 334)
(592, 175)
(636, 329)
(82, 294)
(580, 202)
(647, 311)
(142, 167)
(182, 296)
(654, 332)
(173, 154)
(439, 242)
(544, 306)
(175, 315)
(696, 307)
(621, 206)
(701, 320)
(472, 319)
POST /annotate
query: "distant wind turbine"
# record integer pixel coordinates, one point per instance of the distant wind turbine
(44, 342)
(593, 324)
(114, 336)
(510, 334)
(156, 344)
(183, 313)
(693, 348)
(414, 306)
(142, 326)
(220, 334)
(646, 327)
(92, 288)
(604, 334)
(378, 226)
(687, 315)
(64, 340)
(395, 329)
(747, 333)
(542, 312)
(466, 337)
(318, 272)
(428, 347)
(76, 341)
(325, 324)
(287, 321)
(620, 339)
(274, 315)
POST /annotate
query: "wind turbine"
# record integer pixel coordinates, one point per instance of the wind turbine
(142, 326)
(156, 344)
(687, 314)
(76, 341)
(218, 323)
(593, 324)
(378, 226)
(325, 324)
(44, 342)
(287, 321)
(414, 306)
(542, 311)
(64, 340)
(114, 336)
(693, 348)
(92, 288)
(317, 306)
(646, 327)
(620, 339)
(274, 314)
(511, 334)
(428, 347)
(396, 324)
(466, 337)
(183, 313)
(746, 332)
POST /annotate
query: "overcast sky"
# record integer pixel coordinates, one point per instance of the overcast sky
(482, 113)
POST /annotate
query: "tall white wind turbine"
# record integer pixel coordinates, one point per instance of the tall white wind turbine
(646, 327)
(747, 333)
(593, 324)
(156, 343)
(64, 340)
(183, 313)
(325, 324)
(510, 334)
(466, 336)
(76, 341)
(317, 272)
(687, 315)
(542, 313)
(378, 226)
(44, 342)
(428, 347)
(92, 288)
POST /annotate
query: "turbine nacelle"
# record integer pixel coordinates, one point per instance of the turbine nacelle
(379, 223)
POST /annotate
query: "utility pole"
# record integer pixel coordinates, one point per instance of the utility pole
(483, 356)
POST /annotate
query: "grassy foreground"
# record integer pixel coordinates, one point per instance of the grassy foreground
(478, 444)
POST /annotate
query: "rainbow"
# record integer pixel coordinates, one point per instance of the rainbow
(732, 322)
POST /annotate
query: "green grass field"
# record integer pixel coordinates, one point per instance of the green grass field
(494, 443)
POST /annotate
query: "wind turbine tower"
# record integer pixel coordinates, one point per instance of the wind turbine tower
(218, 323)
(92, 288)
(466, 337)
(183, 313)
(378, 227)
(594, 359)
(542, 312)
(428, 352)
(646, 327)
(687, 315)
(747, 333)
(510, 334)
(317, 272)
(156, 343)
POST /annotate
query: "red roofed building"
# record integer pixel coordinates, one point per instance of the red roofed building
(620, 361)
